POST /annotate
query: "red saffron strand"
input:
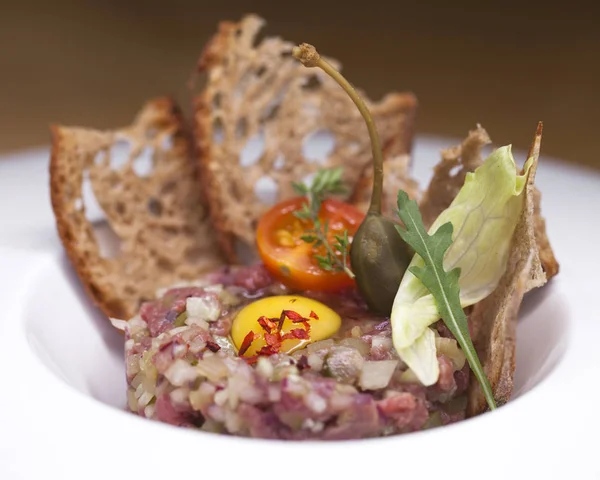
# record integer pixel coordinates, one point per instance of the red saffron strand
(248, 339)
(281, 320)
(300, 334)
(267, 324)
(212, 346)
(293, 316)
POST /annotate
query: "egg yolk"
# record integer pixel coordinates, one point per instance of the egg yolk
(282, 324)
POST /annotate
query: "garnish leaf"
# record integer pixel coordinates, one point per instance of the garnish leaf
(444, 286)
(300, 188)
(308, 238)
(484, 215)
(326, 182)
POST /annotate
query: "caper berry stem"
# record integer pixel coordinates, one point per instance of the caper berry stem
(308, 55)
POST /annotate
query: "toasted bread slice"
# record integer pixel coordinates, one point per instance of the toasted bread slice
(158, 215)
(494, 319)
(257, 94)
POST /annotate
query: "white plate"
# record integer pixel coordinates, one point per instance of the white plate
(63, 389)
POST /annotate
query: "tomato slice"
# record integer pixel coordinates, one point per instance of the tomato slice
(290, 259)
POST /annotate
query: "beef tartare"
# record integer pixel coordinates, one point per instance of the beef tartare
(183, 367)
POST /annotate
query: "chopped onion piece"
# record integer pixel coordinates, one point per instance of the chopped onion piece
(216, 288)
(228, 298)
(356, 331)
(312, 425)
(273, 393)
(236, 385)
(233, 422)
(450, 348)
(315, 362)
(376, 375)
(149, 411)
(180, 395)
(118, 323)
(137, 380)
(132, 365)
(202, 397)
(197, 345)
(171, 333)
(212, 368)
(145, 399)
(136, 326)
(284, 371)
(180, 373)
(149, 385)
(132, 400)
(341, 401)
(206, 308)
(225, 344)
(147, 365)
(357, 344)
(265, 368)
(408, 376)
(199, 322)
(221, 397)
(315, 402)
(179, 350)
(139, 391)
(379, 341)
(322, 345)
(251, 394)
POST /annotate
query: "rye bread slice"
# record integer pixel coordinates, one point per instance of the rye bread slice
(157, 216)
(256, 92)
(494, 319)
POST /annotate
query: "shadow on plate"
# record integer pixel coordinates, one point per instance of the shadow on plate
(72, 337)
(542, 336)
(113, 339)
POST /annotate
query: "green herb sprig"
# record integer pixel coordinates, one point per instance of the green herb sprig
(444, 286)
(326, 182)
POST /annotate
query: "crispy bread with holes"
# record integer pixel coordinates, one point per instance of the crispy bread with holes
(158, 216)
(255, 116)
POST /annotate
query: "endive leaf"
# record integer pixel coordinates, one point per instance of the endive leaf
(421, 358)
(484, 215)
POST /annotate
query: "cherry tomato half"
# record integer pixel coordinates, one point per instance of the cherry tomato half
(289, 258)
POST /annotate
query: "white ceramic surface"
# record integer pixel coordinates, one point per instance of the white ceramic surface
(63, 391)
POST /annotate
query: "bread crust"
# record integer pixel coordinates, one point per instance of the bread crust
(159, 219)
(232, 55)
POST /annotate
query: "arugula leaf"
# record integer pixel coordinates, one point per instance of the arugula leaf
(443, 285)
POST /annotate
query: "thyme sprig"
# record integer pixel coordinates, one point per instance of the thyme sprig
(326, 182)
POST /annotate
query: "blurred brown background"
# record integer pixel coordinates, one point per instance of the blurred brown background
(94, 63)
